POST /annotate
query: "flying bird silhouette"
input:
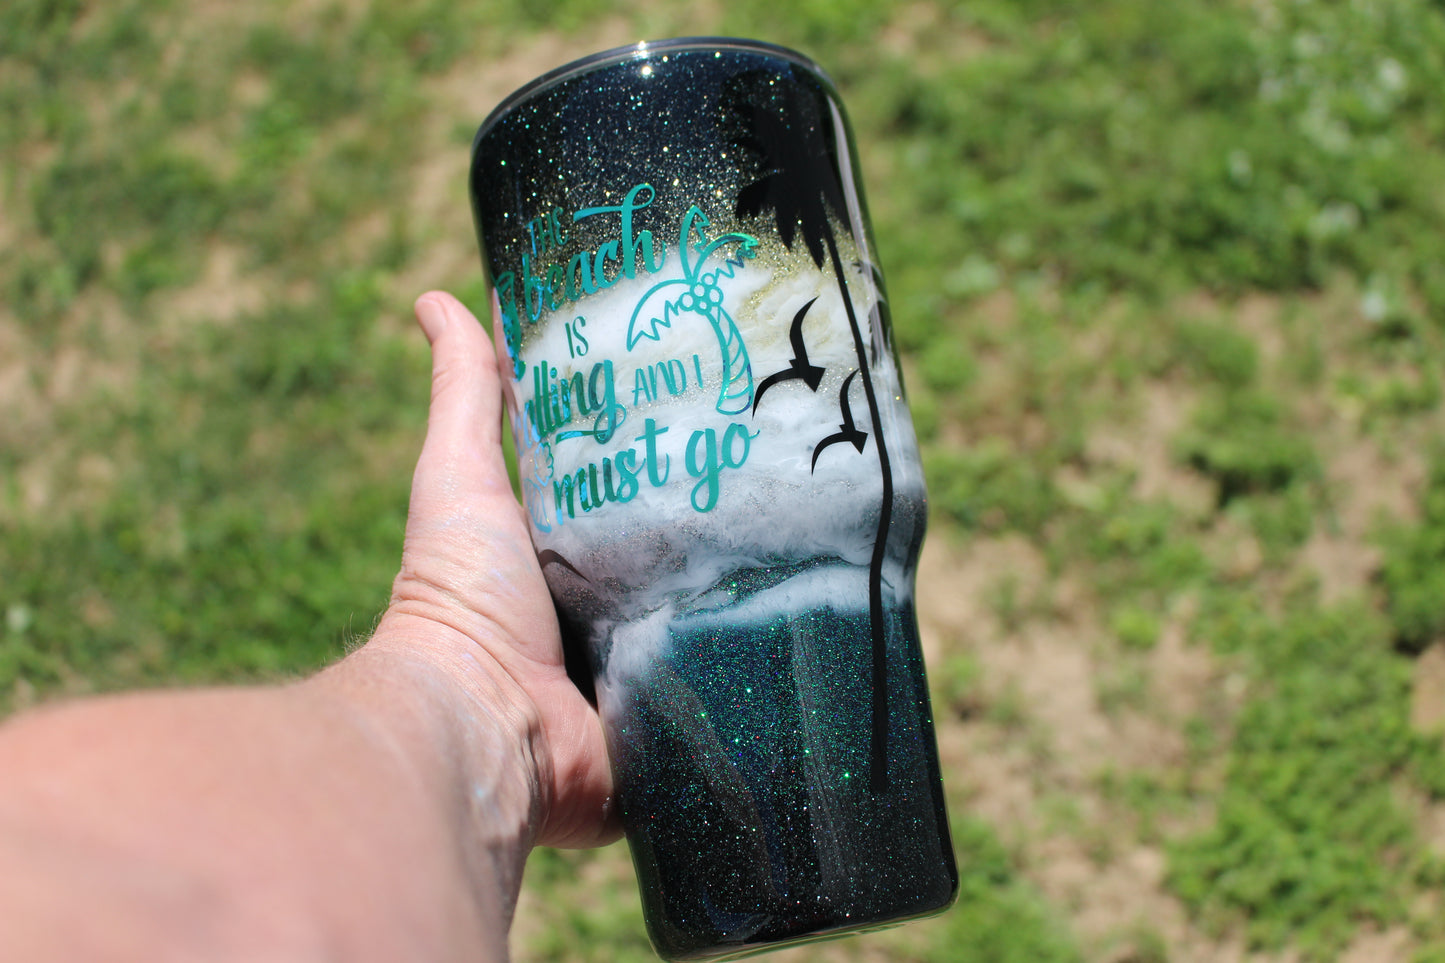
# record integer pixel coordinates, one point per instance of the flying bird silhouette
(799, 366)
(849, 430)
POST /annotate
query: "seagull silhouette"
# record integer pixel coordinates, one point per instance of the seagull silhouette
(849, 430)
(800, 367)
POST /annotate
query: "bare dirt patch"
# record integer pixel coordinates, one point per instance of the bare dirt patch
(1366, 485)
(19, 385)
(1427, 703)
(224, 292)
(1145, 447)
(1029, 764)
(1384, 946)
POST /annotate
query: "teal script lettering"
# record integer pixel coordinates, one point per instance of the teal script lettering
(615, 479)
(548, 288)
(706, 459)
(557, 402)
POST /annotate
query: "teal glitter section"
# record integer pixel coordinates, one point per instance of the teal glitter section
(746, 793)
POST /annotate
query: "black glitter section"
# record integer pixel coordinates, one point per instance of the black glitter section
(566, 140)
(747, 801)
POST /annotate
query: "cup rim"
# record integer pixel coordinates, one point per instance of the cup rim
(642, 50)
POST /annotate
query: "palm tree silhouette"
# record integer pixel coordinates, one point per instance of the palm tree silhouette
(702, 294)
(793, 141)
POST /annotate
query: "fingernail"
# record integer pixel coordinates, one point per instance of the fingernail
(432, 316)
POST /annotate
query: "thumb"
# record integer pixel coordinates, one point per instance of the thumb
(464, 426)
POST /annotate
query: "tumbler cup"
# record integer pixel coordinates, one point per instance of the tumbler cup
(723, 482)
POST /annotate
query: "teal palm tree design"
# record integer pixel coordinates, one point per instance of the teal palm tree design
(800, 182)
(702, 294)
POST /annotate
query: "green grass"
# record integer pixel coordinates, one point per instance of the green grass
(1413, 575)
(1310, 836)
(998, 917)
(1136, 252)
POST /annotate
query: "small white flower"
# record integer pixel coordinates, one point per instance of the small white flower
(18, 618)
(1374, 306)
(1391, 75)
(1240, 169)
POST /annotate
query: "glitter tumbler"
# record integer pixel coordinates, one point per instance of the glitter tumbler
(723, 482)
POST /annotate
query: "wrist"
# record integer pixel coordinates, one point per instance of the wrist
(437, 698)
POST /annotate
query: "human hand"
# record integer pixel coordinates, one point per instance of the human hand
(471, 593)
(385, 805)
